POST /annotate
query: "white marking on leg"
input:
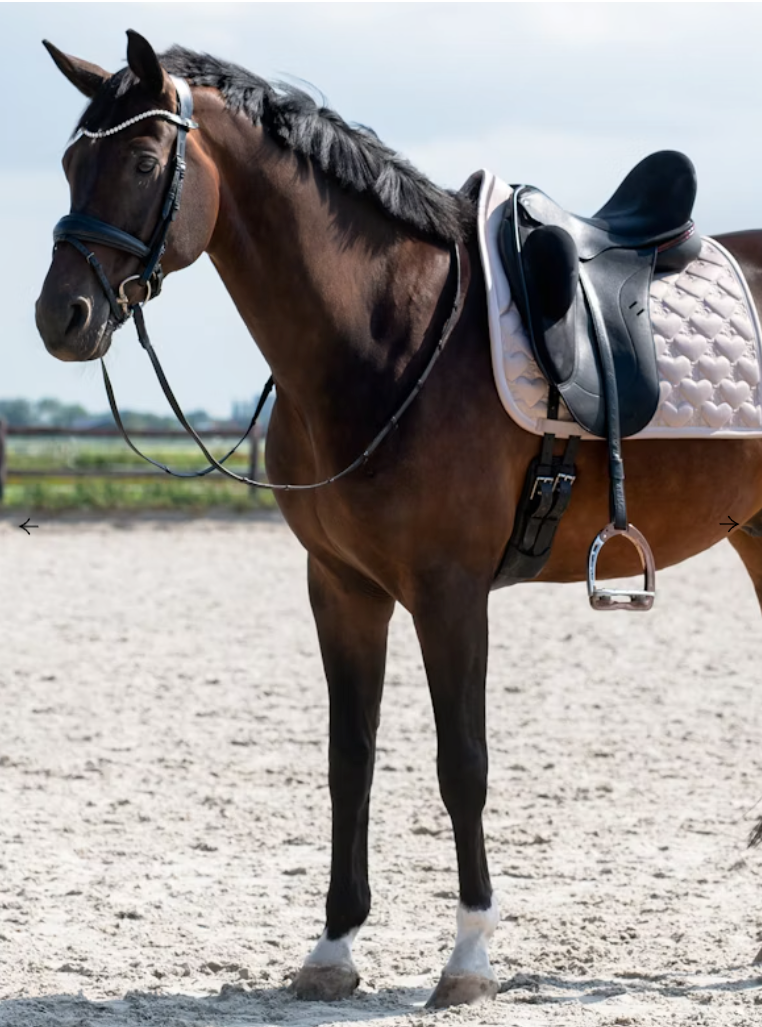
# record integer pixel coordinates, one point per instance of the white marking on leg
(336, 952)
(475, 928)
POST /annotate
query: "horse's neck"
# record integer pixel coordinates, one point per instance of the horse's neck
(329, 288)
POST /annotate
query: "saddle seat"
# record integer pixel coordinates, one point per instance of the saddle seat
(582, 286)
(652, 206)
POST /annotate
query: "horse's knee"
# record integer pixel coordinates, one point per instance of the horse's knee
(462, 770)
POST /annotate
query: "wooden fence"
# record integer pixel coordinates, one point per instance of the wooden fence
(7, 469)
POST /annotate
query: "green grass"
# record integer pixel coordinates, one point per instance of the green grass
(58, 493)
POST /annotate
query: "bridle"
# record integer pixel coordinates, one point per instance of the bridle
(77, 229)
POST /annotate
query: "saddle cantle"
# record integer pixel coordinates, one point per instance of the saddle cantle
(582, 287)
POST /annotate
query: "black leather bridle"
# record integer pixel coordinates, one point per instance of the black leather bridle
(76, 229)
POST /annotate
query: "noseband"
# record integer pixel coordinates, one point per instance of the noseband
(77, 229)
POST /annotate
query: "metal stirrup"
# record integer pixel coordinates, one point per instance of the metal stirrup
(622, 598)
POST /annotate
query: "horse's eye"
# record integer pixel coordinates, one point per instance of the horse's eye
(146, 165)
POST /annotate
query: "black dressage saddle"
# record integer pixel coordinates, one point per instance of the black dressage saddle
(582, 286)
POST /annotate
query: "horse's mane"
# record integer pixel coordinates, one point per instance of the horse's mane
(351, 155)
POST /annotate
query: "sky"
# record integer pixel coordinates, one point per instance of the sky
(567, 97)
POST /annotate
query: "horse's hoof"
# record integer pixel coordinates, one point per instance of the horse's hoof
(325, 983)
(461, 989)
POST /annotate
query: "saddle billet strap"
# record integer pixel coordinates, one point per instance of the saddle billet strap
(544, 499)
(137, 311)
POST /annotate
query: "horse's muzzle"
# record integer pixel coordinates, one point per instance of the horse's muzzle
(73, 328)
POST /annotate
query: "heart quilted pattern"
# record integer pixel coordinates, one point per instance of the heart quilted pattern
(674, 369)
(714, 369)
(731, 348)
(716, 415)
(532, 390)
(707, 324)
(681, 303)
(677, 416)
(690, 346)
(748, 370)
(734, 393)
(723, 305)
(515, 364)
(743, 326)
(752, 415)
(667, 325)
(696, 392)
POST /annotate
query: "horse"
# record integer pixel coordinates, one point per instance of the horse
(349, 269)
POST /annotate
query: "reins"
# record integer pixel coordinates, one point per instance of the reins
(74, 228)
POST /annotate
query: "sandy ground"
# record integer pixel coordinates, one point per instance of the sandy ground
(164, 812)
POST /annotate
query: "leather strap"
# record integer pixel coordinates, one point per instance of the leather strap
(82, 226)
(617, 502)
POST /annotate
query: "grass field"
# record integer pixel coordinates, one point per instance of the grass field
(157, 492)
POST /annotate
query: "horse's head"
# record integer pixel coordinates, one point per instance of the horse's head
(123, 170)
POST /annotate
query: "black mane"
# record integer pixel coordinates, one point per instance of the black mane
(352, 155)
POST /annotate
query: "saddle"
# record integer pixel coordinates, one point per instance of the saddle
(582, 286)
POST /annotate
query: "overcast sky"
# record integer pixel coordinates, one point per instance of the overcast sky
(565, 96)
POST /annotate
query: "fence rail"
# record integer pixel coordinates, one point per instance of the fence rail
(7, 470)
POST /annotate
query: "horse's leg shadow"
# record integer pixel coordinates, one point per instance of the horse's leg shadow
(352, 620)
(450, 616)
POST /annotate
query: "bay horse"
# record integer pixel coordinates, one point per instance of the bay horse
(340, 258)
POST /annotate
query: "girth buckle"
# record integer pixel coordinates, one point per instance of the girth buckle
(617, 598)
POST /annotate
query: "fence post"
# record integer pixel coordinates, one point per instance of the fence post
(3, 456)
(254, 454)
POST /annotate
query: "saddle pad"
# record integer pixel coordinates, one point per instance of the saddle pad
(707, 336)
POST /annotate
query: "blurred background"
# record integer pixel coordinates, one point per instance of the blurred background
(565, 96)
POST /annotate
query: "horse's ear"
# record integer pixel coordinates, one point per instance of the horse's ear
(144, 63)
(88, 78)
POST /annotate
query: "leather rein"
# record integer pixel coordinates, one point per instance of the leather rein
(78, 229)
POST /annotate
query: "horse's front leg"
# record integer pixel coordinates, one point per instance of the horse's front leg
(451, 621)
(352, 621)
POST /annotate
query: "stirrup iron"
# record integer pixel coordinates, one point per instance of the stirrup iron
(622, 598)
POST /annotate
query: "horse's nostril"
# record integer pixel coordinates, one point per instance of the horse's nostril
(80, 315)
